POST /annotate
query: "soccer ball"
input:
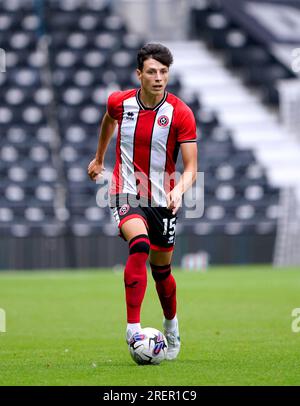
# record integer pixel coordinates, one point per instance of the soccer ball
(149, 346)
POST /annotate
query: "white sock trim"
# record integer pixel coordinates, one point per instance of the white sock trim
(134, 326)
(171, 325)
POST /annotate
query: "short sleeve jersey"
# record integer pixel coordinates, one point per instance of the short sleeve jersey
(148, 143)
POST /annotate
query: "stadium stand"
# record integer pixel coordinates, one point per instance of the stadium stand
(242, 52)
(49, 129)
(28, 175)
(238, 195)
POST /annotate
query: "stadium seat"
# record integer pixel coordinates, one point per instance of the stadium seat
(92, 53)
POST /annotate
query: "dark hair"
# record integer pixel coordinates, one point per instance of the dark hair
(156, 51)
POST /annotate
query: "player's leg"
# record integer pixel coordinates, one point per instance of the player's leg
(135, 273)
(160, 262)
(162, 226)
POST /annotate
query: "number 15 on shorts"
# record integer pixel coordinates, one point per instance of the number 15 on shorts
(169, 226)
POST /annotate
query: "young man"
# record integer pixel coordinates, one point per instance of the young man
(152, 125)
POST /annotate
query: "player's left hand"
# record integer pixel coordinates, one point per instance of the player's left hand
(174, 200)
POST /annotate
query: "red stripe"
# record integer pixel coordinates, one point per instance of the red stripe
(142, 150)
(139, 240)
(169, 181)
(163, 249)
(117, 180)
(131, 216)
(118, 173)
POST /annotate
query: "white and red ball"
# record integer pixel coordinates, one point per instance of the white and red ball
(149, 346)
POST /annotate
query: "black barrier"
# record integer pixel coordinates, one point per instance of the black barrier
(98, 251)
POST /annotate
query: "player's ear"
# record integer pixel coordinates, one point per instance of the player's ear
(139, 73)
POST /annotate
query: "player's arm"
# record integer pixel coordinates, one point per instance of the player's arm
(107, 129)
(188, 177)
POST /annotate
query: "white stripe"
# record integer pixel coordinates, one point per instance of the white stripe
(159, 154)
(116, 215)
(127, 144)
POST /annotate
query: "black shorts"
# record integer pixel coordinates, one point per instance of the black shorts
(159, 221)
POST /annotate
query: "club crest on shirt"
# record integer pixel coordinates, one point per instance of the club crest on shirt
(124, 209)
(163, 121)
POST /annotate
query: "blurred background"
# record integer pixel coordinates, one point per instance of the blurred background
(237, 66)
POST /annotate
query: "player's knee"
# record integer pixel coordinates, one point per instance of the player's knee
(160, 273)
(139, 244)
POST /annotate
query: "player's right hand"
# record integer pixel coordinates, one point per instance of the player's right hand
(95, 169)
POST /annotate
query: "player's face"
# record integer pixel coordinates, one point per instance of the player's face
(153, 77)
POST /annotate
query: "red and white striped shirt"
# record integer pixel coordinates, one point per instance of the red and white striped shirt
(148, 143)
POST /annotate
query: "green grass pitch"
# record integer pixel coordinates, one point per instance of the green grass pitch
(68, 328)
